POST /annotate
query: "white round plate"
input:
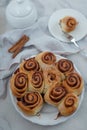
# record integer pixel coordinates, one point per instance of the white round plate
(48, 113)
(56, 31)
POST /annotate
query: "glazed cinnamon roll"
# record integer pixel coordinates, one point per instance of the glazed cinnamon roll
(51, 76)
(36, 81)
(31, 103)
(55, 94)
(65, 66)
(30, 65)
(68, 24)
(19, 84)
(74, 83)
(45, 59)
(68, 105)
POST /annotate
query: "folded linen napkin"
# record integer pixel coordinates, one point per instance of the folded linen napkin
(40, 40)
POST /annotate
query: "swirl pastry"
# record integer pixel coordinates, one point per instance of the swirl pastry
(43, 77)
(51, 76)
(45, 59)
(36, 81)
(30, 65)
(68, 24)
(19, 84)
(31, 103)
(64, 66)
(68, 105)
(74, 83)
(55, 94)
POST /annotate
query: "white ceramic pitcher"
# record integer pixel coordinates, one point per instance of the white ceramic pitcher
(21, 13)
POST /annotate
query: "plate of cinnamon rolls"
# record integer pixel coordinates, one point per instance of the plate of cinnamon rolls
(46, 89)
(70, 21)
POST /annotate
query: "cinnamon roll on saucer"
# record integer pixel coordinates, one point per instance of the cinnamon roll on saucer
(19, 84)
(30, 65)
(68, 24)
(51, 76)
(31, 103)
(55, 94)
(36, 81)
(74, 83)
(68, 105)
(65, 66)
(45, 59)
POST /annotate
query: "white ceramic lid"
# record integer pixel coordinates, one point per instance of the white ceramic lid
(20, 8)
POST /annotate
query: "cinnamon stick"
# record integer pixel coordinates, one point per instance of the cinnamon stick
(20, 46)
(17, 44)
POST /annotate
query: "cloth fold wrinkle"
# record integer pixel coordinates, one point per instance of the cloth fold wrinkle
(39, 38)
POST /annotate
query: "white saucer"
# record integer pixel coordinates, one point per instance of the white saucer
(55, 29)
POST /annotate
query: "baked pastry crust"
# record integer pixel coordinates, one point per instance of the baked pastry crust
(31, 103)
(30, 65)
(46, 59)
(74, 83)
(51, 76)
(68, 24)
(55, 94)
(68, 105)
(65, 66)
(36, 81)
(19, 84)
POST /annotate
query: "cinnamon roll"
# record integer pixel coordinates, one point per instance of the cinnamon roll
(30, 65)
(46, 59)
(31, 103)
(51, 76)
(55, 94)
(19, 84)
(65, 66)
(68, 24)
(74, 83)
(36, 81)
(68, 105)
